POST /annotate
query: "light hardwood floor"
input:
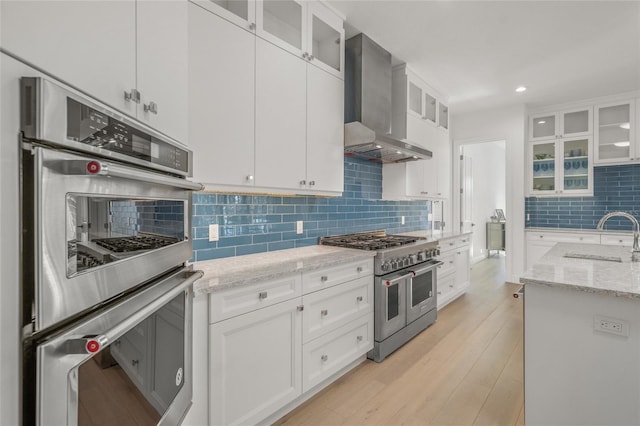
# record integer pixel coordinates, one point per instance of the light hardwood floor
(466, 369)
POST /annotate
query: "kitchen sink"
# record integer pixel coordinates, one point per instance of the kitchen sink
(592, 257)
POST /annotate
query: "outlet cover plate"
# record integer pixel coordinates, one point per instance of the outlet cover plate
(299, 227)
(214, 232)
(615, 326)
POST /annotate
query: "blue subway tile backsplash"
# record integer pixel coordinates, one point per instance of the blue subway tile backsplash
(258, 223)
(616, 188)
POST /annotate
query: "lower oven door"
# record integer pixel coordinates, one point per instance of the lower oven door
(129, 364)
(421, 290)
(390, 309)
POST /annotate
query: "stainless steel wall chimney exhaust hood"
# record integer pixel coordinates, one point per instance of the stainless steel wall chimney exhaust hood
(368, 105)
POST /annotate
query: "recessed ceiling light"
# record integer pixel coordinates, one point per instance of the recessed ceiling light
(520, 89)
(625, 126)
(541, 122)
(622, 144)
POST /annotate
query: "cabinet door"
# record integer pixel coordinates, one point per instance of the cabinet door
(281, 125)
(256, 364)
(415, 179)
(325, 131)
(615, 132)
(221, 99)
(430, 108)
(576, 175)
(326, 40)
(284, 23)
(239, 12)
(543, 126)
(575, 122)
(442, 156)
(462, 264)
(162, 66)
(443, 116)
(415, 104)
(542, 169)
(67, 39)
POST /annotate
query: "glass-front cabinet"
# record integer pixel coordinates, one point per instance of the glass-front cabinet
(555, 125)
(561, 167)
(240, 12)
(615, 133)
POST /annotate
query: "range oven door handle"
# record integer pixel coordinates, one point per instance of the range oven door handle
(393, 281)
(429, 266)
(99, 168)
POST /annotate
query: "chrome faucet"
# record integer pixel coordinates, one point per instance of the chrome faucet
(635, 252)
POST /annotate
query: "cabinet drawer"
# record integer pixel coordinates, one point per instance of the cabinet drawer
(328, 277)
(229, 303)
(564, 237)
(617, 240)
(445, 285)
(334, 307)
(328, 354)
(448, 244)
(463, 241)
(448, 263)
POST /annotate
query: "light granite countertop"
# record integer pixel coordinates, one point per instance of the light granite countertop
(221, 274)
(621, 279)
(435, 235)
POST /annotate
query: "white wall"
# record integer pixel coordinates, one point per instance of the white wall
(488, 175)
(508, 124)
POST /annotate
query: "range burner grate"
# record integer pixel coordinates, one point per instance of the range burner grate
(139, 242)
(368, 241)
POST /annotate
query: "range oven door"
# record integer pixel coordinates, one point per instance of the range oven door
(422, 290)
(94, 229)
(129, 364)
(390, 298)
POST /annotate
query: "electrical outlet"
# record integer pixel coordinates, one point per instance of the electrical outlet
(430, 217)
(401, 220)
(611, 325)
(214, 232)
(299, 227)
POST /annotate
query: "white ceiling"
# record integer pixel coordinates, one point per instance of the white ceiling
(478, 52)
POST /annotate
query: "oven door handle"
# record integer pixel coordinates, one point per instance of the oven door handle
(99, 168)
(430, 265)
(389, 283)
(93, 344)
(114, 170)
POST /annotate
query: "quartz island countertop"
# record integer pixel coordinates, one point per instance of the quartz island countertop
(220, 274)
(621, 279)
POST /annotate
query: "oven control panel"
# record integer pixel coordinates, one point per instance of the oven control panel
(95, 128)
(392, 263)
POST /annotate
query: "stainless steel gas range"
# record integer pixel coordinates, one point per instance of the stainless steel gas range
(405, 285)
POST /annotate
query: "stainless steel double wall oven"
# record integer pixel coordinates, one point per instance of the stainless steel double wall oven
(106, 292)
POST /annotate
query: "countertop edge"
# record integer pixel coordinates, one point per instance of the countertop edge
(585, 289)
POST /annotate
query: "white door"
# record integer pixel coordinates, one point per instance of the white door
(281, 119)
(256, 364)
(325, 130)
(162, 55)
(88, 44)
(221, 99)
(466, 193)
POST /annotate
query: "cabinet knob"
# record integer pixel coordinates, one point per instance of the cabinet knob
(424, 192)
(303, 182)
(324, 313)
(305, 55)
(541, 236)
(439, 292)
(249, 178)
(132, 96)
(359, 269)
(252, 26)
(135, 362)
(324, 278)
(359, 338)
(152, 107)
(312, 183)
(451, 261)
(451, 285)
(311, 57)
(262, 295)
(359, 299)
(300, 308)
(324, 358)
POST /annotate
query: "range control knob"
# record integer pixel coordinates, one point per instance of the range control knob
(394, 264)
(406, 261)
(413, 259)
(386, 265)
(421, 256)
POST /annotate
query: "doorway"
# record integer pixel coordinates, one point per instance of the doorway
(482, 190)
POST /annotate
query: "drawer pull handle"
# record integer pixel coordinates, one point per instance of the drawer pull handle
(439, 292)
(359, 299)
(262, 295)
(300, 308)
(359, 269)
(324, 278)
(450, 244)
(359, 338)
(451, 285)
(324, 313)
(324, 358)
(451, 261)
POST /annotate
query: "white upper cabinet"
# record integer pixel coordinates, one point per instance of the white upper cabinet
(615, 132)
(240, 12)
(555, 125)
(326, 39)
(62, 40)
(412, 97)
(443, 116)
(139, 68)
(222, 100)
(283, 23)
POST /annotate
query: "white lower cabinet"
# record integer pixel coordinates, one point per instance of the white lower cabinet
(539, 243)
(256, 362)
(454, 274)
(273, 341)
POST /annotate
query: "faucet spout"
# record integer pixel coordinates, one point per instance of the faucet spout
(635, 251)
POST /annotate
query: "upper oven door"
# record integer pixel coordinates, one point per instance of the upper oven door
(421, 290)
(95, 229)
